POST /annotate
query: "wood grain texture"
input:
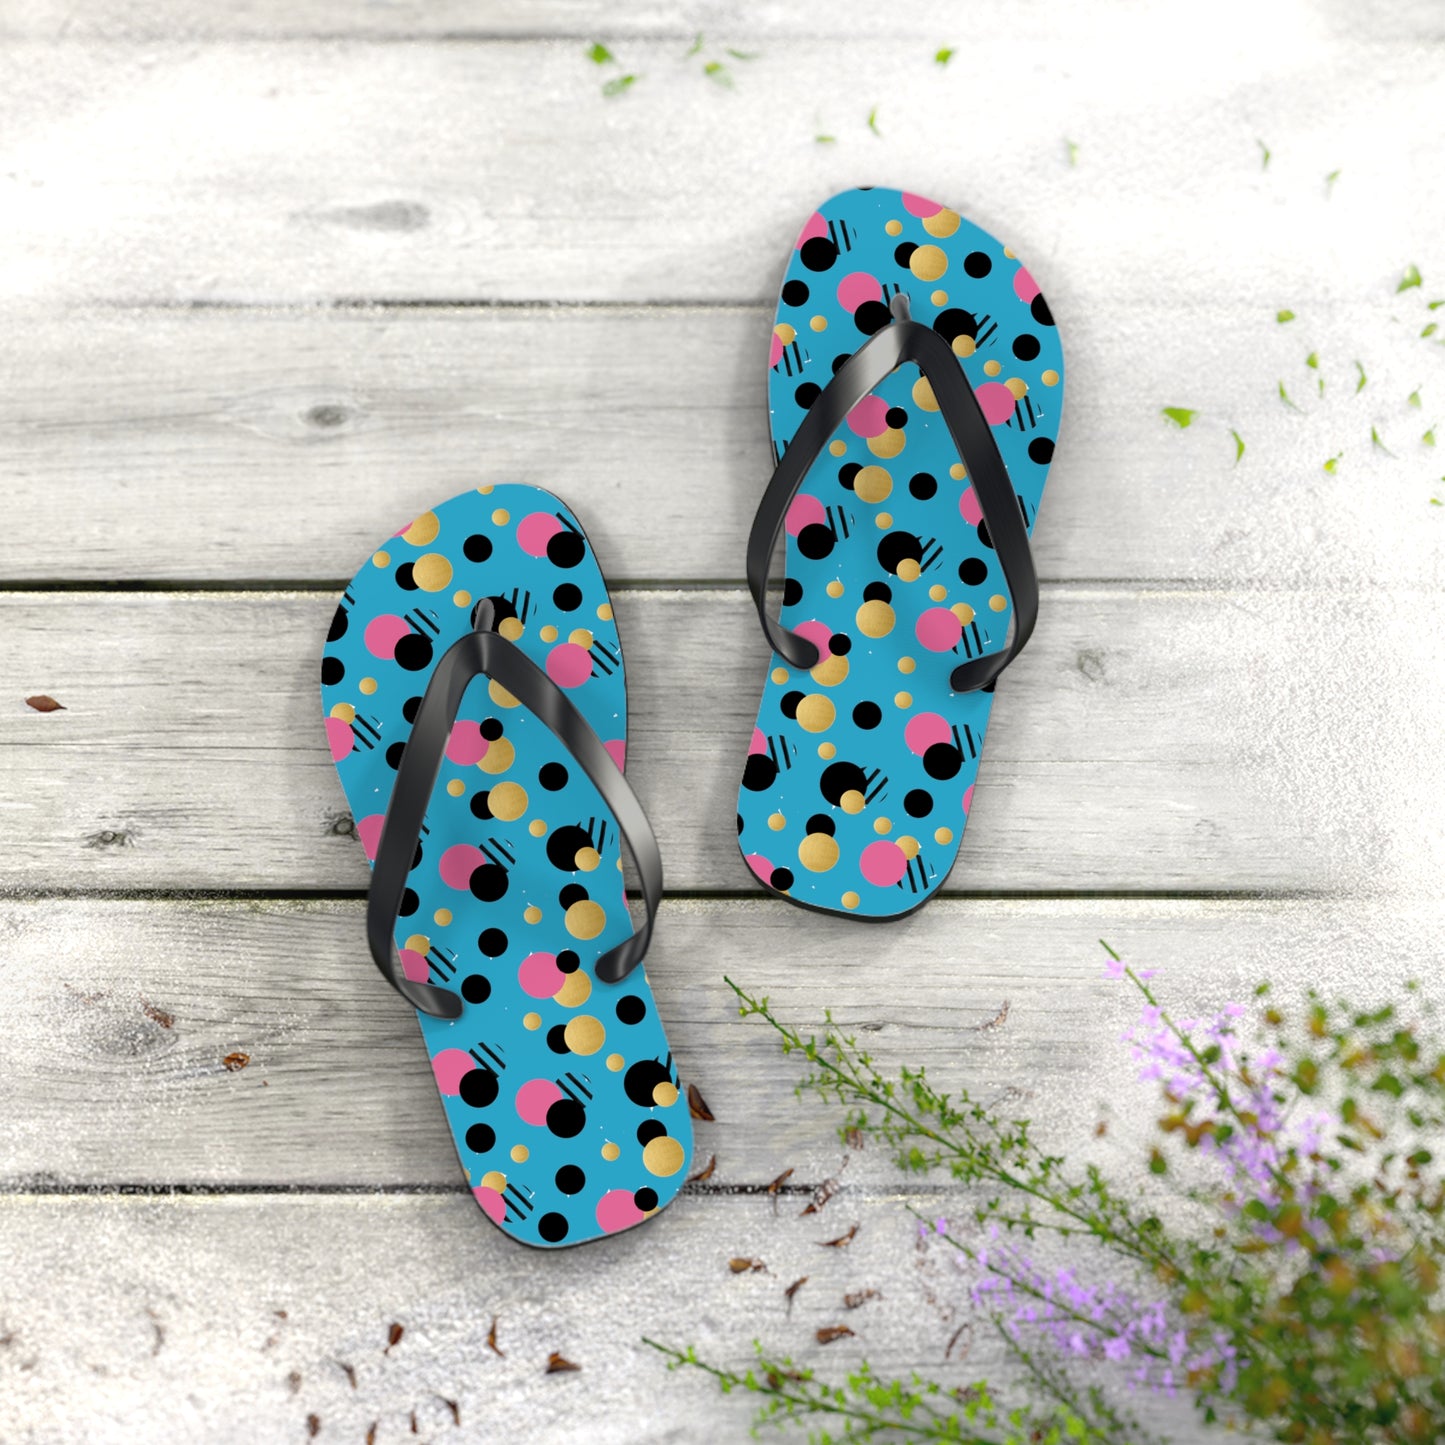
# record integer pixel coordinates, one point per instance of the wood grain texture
(1165, 740)
(120, 1013)
(220, 445)
(266, 172)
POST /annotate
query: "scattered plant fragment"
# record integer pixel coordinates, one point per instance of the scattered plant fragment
(393, 1337)
(842, 1241)
(233, 1063)
(1181, 416)
(559, 1365)
(697, 1105)
(41, 703)
(828, 1333)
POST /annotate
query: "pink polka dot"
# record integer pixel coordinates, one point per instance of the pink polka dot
(803, 512)
(938, 629)
(920, 205)
(967, 801)
(883, 863)
(816, 226)
(1025, 287)
(535, 530)
(339, 735)
(760, 865)
(369, 831)
(466, 745)
(458, 864)
(856, 288)
(534, 1098)
(569, 665)
(968, 507)
(617, 1210)
(869, 418)
(539, 975)
(413, 965)
(759, 743)
(819, 634)
(383, 633)
(923, 730)
(493, 1205)
(617, 751)
(775, 350)
(997, 402)
(450, 1066)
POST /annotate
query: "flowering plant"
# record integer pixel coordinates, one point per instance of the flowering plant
(1295, 1292)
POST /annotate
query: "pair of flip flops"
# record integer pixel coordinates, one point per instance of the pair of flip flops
(476, 707)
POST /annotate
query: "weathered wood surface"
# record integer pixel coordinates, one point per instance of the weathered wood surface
(119, 1015)
(278, 172)
(276, 446)
(1144, 741)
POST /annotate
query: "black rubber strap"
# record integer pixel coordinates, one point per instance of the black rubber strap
(487, 653)
(904, 341)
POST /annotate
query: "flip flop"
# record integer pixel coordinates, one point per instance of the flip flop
(915, 388)
(476, 708)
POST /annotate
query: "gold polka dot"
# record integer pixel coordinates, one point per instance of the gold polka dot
(909, 570)
(615, 1063)
(366, 686)
(851, 899)
(584, 1034)
(580, 637)
(884, 520)
(909, 846)
(992, 368)
(588, 860)
(532, 1021)
(872, 484)
(423, 530)
(928, 263)
(780, 674)
(585, 919)
(532, 913)
(818, 852)
(499, 756)
(939, 298)
(943, 835)
(576, 991)
(344, 711)
(662, 1157)
(548, 633)
(784, 333)
(1018, 387)
(520, 1153)
(838, 448)
(963, 612)
(1008, 251)
(511, 628)
(963, 346)
(610, 1151)
(923, 396)
(906, 664)
(937, 592)
(536, 827)
(852, 801)
(494, 1179)
(604, 612)
(997, 602)
(826, 750)
(664, 1095)
(819, 323)
(875, 619)
(894, 227)
(381, 559)
(418, 943)
(958, 471)
(942, 223)
(1050, 377)
(830, 672)
(903, 699)
(777, 822)
(816, 713)
(432, 572)
(488, 489)
(507, 801)
(883, 825)
(442, 917)
(501, 516)
(462, 598)
(500, 695)
(888, 443)
(834, 588)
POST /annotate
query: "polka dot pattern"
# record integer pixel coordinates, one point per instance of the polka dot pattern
(855, 791)
(516, 888)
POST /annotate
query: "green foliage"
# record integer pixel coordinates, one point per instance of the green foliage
(1181, 416)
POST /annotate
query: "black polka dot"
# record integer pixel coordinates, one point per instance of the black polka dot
(413, 652)
(404, 578)
(903, 253)
(332, 671)
(984, 540)
(789, 705)
(565, 549)
(476, 988)
(956, 322)
(942, 761)
(898, 547)
(867, 715)
(477, 548)
(922, 485)
(896, 417)
(481, 1138)
(840, 361)
(480, 805)
(650, 1129)
(840, 644)
(572, 893)
(792, 592)
(479, 1088)
(566, 1118)
(493, 942)
(416, 857)
(552, 776)
(815, 541)
(553, 1227)
(393, 755)
(645, 1199)
(1041, 450)
(972, 571)
(410, 708)
(631, 1009)
(339, 623)
(918, 803)
(848, 474)
(563, 845)
(807, 394)
(489, 882)
(821, 823)
(409, 904)
(1026, 347)
(795, 293)
(839, 778)
(818, 253)
(878, 592)
(977, 265)
(567, 597)
(759, 772)
(570, 1179)
(871, 316)
(568, 961)
(1039, 310)
(557, 1039)
(502, 610)
(638, 1083)
(490, 728)
(781, 879)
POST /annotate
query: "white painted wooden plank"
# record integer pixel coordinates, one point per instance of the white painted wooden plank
(230, 1320)
(255, 171)
(215, 445)
(1164, 740)
(119, 1014)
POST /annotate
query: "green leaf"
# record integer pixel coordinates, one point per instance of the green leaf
(1436, 502)
(1313, 361)
(716, 71)
(1431, 329)
(1181, 416)
(1429, 438)
(873, 121)
(600, 54)
(1414, 398)
(1238, 446)
(1332, 466)
(1409, 279)
(1377, 440)
(1158, 1164)
(825, 140)
(1360, 384)
(1283, 316)
(694, 47)
(1072, 148)
(619, 84)
(1264, 155)
(1330, 183)
(1284, 397)
(743, 54)
(943, 55)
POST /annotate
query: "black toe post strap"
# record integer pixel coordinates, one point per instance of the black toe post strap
(895, 345)
(487, 653)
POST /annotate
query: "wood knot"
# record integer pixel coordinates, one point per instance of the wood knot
(328, 415)
(111, 838)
